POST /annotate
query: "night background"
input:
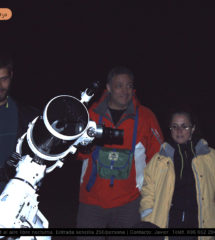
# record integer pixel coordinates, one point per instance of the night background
(62, 47)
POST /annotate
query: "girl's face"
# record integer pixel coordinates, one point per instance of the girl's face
(181, 128)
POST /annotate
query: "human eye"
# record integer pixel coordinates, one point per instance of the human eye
(130, 85)
(173, 127)
(4, 79)
(118, 86)
(185, 127)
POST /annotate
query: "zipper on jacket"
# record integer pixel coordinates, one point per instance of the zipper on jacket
(183, 214)
(199, 196)
(173, 187)
(198, 184)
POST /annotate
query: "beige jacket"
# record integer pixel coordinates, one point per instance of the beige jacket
(159, 182)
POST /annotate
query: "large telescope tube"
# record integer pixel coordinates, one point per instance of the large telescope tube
(64, 120)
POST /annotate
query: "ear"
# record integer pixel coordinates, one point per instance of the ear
(11, 74)
(108, 87)
(193, 129)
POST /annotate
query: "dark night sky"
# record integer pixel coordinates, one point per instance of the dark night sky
(60, 48)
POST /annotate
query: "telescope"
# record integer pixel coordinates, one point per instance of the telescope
(64, 126)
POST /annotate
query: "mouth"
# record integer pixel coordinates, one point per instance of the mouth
(125, 97)
(180, 136)
(2, 92)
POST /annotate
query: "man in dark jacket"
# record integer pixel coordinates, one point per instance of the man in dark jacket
(14, 118)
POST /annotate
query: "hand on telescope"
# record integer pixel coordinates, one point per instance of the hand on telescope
(87, 149)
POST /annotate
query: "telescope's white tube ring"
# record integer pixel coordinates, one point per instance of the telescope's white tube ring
(57, 134)
(37, 152)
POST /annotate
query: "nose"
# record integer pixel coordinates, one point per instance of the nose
(179, 129)
(125, 89)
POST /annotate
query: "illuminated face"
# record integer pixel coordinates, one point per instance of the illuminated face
(121, 90)
(5, 80)
(181, 128)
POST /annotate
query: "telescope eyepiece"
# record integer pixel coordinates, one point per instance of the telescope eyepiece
(106, 133)
(93, 88)
(112, 133)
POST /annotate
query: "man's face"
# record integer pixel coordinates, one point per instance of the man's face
(5, 80)
(121, 90)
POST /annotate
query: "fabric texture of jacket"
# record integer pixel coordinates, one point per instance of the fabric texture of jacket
(148, 141)
(159, 183)
(25, 115)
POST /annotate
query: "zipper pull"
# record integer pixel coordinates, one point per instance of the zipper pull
(183, 214)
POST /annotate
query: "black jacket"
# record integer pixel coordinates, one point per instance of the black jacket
(25, 115)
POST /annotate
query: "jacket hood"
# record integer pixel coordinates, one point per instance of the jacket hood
(101, 106)
(201, 148)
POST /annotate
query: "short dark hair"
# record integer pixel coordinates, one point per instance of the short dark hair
(189, 115)
(6, 62)
(119, 70)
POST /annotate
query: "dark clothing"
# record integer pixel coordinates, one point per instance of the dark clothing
(117, 217)
(116, 115)
(8, 130)
(14, 120)
(184, 213)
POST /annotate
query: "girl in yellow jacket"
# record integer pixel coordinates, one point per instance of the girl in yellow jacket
(179, 181)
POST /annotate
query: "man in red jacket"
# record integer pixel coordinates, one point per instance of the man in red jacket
(112, 174)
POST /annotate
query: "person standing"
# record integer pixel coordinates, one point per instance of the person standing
(14, 118)
(179, 183)
(112, 174)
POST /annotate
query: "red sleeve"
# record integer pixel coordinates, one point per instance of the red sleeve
(87, 150)
(81, 156)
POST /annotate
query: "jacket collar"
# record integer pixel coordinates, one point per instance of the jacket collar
(167, 150)
(201, 148)
(102, 108)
